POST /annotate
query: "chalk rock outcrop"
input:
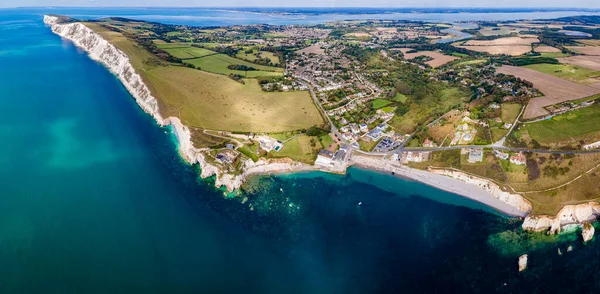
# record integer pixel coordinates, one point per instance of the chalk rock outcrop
(522, 262)
(588, 232)
(570, 214)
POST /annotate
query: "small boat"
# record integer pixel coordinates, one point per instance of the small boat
(359, 203)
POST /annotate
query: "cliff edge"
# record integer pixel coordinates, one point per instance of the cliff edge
(118, 63)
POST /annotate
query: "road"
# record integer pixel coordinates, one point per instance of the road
(500, 142)
(316, 100)
(511, 149)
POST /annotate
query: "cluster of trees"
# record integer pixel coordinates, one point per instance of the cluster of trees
(241, 67)
(151, 47)
(267, 80)
(522, 61)
(361, 54)
(237, 78)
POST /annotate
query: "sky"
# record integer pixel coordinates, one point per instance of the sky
(306, 3)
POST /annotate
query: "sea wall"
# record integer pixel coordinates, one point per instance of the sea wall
(118, 63)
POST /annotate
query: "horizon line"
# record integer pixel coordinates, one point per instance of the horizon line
(313, 7)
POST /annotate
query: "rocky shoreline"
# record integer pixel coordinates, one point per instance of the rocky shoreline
(478, 189)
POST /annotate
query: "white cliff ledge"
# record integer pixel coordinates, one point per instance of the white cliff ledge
(118, 63)
(568, 215)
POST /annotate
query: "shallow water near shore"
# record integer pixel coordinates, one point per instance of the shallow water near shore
(94, 198)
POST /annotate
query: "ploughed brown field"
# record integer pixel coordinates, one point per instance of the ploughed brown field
(587, 50)
(546, 49)
(439, 59)
(555, 89)
(587, 61)
(503, 41)
(510, 46)
(513, 50)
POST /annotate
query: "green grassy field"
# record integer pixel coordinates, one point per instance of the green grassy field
(461, 55)
(554, 54)
(380, 103)
(400, 98)
(471, 62)
(326, 140)
(299, 148)
(188, 52)
(218, 63)
(211, 101)
(510, 111)
(205, 100)
(498, 133)
(422, 111)
(567, 72)
(582, 124)
(388, 109)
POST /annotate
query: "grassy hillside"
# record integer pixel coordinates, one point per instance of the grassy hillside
(571, 127)
(205, 100)
(568, 72)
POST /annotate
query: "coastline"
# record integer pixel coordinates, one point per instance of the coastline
(460, 183)
(493, 197)
(118, 63)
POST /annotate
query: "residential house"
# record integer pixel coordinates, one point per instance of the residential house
(475, 155)
(518, 159)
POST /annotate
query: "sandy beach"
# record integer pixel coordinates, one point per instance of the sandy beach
(473, 189)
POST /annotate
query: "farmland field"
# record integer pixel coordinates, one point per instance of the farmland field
(571, 127)
(218, 63)
(587, 50)
(555, 89)
(187, 52)
(205, 100)
(510, 111)
(510, 41)
(568, 72)
(439, 59)
(546, 49)
(513, 50)
(591, 62)
(591, 42)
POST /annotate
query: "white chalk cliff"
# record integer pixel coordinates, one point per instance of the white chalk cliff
(118, 63)
(570, 214)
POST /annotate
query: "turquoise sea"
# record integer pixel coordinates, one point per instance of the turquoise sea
(94, 199)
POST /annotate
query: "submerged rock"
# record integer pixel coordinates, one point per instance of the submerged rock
(588, 232)
(559, 252)
(570, 248)
(522, 262)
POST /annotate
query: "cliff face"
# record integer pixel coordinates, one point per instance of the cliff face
(570, 214)
(118, 63)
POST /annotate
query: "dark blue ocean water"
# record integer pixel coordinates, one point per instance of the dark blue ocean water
(94, 199)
